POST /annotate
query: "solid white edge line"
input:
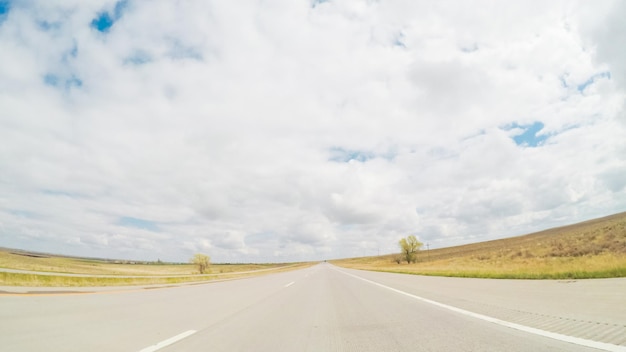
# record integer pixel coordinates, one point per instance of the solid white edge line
(289, 284)
(575, 340)
(169, 341)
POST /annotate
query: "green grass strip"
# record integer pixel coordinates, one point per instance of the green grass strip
(33, 280)
(569, 275)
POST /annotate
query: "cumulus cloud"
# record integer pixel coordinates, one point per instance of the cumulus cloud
(297, 130)
(606, 32)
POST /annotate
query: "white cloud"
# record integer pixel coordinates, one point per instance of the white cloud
(280, 131)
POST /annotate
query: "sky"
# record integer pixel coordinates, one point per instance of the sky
(293, 130)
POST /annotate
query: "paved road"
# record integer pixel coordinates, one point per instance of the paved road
(322, 308)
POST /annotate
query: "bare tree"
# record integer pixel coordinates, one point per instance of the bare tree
(409, 247)
(202, 261)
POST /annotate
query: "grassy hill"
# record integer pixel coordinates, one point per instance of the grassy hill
(591, 249)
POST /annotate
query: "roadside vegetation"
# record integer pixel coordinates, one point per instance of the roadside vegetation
(592, 249)
(22, 260)
(34, 280)
(202, 261)
(127, 272)
(409, 246)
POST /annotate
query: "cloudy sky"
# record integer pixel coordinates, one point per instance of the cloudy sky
(282, 130)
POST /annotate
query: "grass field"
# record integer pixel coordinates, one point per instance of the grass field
(55, 264)
(145, 273)
(34, 280)
(592, 249)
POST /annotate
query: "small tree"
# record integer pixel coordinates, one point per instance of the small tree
(409, 247)
(202, 261)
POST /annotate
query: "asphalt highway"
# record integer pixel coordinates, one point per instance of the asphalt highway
(324, 308)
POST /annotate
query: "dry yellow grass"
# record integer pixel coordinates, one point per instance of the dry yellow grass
(25, 261)
(54, 264)
(33, 280)
(129, 273)
(591, 249)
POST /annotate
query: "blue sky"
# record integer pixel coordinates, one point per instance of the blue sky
(304, 130)
(343, 155)
(104, 20)
(530, 135)
(602, 75)
(4, 7)
(138, 223)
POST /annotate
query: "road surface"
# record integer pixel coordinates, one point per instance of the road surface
(323, 308)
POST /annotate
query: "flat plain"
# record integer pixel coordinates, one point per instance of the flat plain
(22, 268)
